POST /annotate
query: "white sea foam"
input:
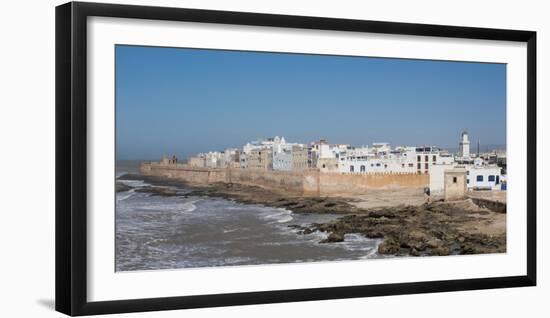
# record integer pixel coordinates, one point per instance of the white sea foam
(358, 242)
(371, 254)
(167, 205)
(124, 195)
(134, 183)
(355, 241)
(285, 219)
(317, 236)
(189, 206)
(279, 215)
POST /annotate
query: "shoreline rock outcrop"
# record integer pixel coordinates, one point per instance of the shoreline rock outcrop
(438, 228)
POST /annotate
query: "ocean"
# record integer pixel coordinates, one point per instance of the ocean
(157, 232)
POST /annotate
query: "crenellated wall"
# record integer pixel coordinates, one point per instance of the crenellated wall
(307, 182)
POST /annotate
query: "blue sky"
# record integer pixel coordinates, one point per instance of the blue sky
(184, 101)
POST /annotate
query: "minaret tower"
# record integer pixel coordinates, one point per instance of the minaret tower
(464, 146)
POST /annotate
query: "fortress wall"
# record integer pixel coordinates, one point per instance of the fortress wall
(336, 183)
(278, 180)
(187, 174)
(307, 182)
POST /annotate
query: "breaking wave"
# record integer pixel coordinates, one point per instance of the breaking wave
(124, 195)
(280, 215)
(189, 206)
(134, 183)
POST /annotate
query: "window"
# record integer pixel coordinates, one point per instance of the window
(498, 180)
(491, 179)
(362, 169)
(454, 180)
(468, 181)
(378, 164)
(426, 158)
(351, 168)
(434, 158)
(385, 166)
(479, 178)
(411, 165)
(402, 165)
(324, 165)
(418, 166)
(426, 166)
(468, 172)
(419, 158)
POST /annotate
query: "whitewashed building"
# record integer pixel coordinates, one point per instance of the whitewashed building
(324, 156)
(282, 158)
(437, 177)
(380, 158)
(230, 155)
(427, 156)
(290, 157)
(393, 162)
(263, 144)
(484, 177)
(381, 148)
(243, 160)
(488, 177)
(214, 159)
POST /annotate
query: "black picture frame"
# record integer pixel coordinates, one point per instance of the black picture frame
(71, 157)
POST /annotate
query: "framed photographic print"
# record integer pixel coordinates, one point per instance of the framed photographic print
(210, 158)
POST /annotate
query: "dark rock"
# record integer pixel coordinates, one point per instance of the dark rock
(121, 187)
(333, 238)
(157, 191)
(441, 251)
(414, 252)
(434, 243)
(389, 246)
(130, 176)
(382, 213)
(416, 235)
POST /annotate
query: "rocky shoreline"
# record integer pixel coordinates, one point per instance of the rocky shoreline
(438, 228)
(432, 229)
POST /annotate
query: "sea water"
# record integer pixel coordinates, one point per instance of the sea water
(157, 232)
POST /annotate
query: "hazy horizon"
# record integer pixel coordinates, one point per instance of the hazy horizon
(185, 101)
